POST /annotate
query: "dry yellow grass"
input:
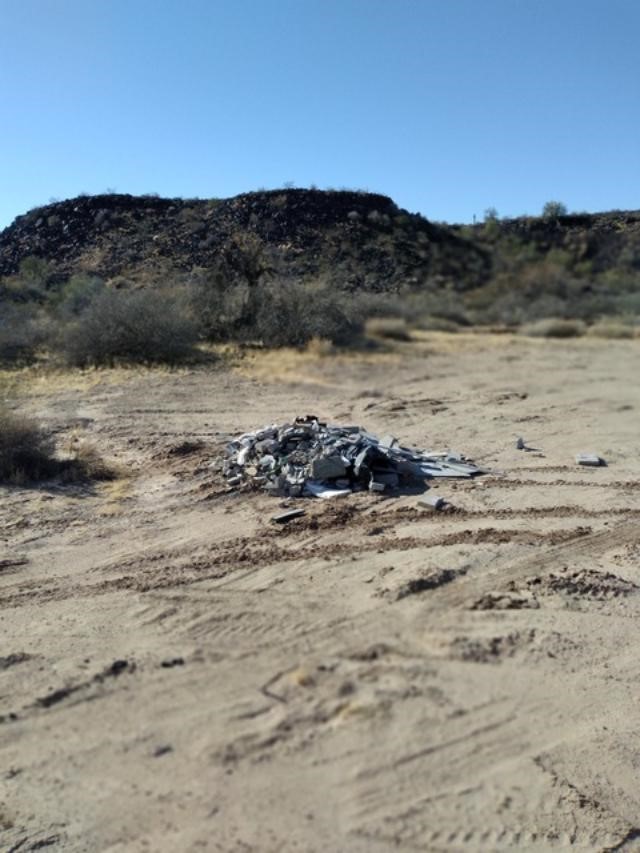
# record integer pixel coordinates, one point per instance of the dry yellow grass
(612, 329)
(115, 494)
(42, 379)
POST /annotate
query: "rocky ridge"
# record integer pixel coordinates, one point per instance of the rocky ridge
(356, 240)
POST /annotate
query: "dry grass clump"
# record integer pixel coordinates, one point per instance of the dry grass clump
(553, 327)
(320, 347)
(390, 328)
(26, 450)
(433, 323)
(27, 455)
(86, 464)
(612, 329)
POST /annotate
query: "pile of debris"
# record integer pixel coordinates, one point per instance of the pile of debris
(311, 458)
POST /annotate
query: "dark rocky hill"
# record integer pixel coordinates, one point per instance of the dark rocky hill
(353, 240)
(606, 240)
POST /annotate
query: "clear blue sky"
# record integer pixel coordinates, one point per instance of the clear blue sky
(448, 106)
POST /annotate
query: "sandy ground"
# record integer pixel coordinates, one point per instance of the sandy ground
(177, 673)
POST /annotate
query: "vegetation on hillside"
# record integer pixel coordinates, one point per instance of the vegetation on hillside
(104, 279)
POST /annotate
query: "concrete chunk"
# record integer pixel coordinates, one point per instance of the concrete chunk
(591, 459)
(327, 468)
(431, 502)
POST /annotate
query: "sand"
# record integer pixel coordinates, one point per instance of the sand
(177, 673)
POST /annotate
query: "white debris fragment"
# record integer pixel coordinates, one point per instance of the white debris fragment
(591, 459)
(430, 501)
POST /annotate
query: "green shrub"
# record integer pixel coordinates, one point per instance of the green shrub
(553, 209)
(22, 331)
(30, 282)
(291, 315)
(133, 326)
(77, 294)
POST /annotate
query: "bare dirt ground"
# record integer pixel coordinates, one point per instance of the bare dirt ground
(177, 673)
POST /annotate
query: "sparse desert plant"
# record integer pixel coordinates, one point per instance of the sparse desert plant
(26, 449)
(437, 324)
(139, 326)
(30, 282)
(77, 294)
(22, 330)
(289, 314)
(553, 327)
(553, 209)
(27, 454)
(86, 463)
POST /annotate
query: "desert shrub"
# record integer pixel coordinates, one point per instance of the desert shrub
(553, 327)
(134, 326)
(217, 302)
(280, 314)
(30, 282)
(84, 464)
(291, 315)
(438, 324)
(77, 294)
(22, 331)
(27, 454)
(553, 209)
(26, 450)
(439, 307)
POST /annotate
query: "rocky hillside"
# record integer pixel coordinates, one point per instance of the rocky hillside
(605, 240)
(500, 271)
(353, 240)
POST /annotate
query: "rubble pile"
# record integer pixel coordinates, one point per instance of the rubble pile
(312, 458)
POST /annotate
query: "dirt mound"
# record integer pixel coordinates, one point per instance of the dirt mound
(584, 583)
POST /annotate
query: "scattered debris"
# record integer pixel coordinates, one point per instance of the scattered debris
(284, 517)
(169, 663)
(311, 458)
(591, 459)
(432, 502)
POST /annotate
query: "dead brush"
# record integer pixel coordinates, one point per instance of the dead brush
(389, 328)
(26, 450)
(28, 455)
(86, 464)
(553, 327)
(612, 330)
